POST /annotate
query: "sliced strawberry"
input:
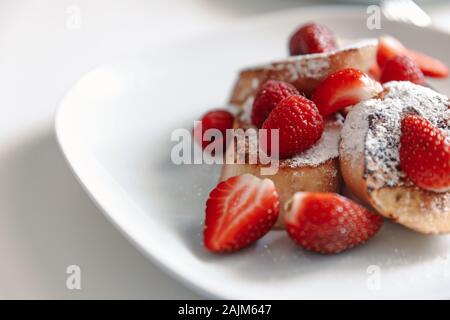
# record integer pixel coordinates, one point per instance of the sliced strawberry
(344, 88)
(389, 47)
(312, 38)
(300, 125)
(402, 68)
(329, 223)
(425, 154)
(267, 98)
(430, 66)
(374, 72)
(239, 211)
(215, 119)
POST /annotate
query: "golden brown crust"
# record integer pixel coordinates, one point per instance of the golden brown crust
(420, 210)
(304, 72)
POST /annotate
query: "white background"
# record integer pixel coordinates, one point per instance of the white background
(46, 220)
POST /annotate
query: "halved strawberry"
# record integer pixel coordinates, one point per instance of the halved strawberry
(374, 72)
(239, 211)
(389, 47)
(329, 223)
(425, 154)
(430, 66)
(344, 88)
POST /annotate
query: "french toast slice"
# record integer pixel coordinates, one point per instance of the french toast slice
(316, 169)
(369, 156)
(305, 72)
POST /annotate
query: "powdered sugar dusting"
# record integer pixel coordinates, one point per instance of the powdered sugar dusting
(246, 113)
(373, 127)
(325, 149)
(314, 66)
(322, 151)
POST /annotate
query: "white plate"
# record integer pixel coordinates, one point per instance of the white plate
(114, 128)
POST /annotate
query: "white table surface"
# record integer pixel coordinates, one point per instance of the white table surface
(47, 222)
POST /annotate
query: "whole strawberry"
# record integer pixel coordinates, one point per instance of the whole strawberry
(402, 68)
(329, 223)
(299, 123)
(239, 211)
(267, 98)
(312, 38)
(425, 154)
(215, 119)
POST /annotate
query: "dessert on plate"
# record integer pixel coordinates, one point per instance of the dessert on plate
(359, 116)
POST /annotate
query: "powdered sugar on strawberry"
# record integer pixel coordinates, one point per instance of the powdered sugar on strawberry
(373, 127)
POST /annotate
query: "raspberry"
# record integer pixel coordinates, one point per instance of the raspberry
(267, 98)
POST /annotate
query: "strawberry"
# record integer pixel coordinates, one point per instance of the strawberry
(329, 223)
(312, 38)
(344, 88)
(402, 68)
(425, 154)
(299, 122)
(215, 119)
(389, 47)
(430, 66)
(239, 211)
(374, 72)
(267, 98)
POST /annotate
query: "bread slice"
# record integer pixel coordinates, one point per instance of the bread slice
(305, 71)
(369, 156)
(316, 169)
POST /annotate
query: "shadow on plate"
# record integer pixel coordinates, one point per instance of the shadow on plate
(48, 222)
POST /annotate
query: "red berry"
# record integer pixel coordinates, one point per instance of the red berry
(430, 66)
(402, 68)
(267, 98)
(239, 211)
(216, 119)
(374, 72)
(299, 122)
(425, 154)
(344, 88)
(389, 47)
(329, 223)
(312, 38)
